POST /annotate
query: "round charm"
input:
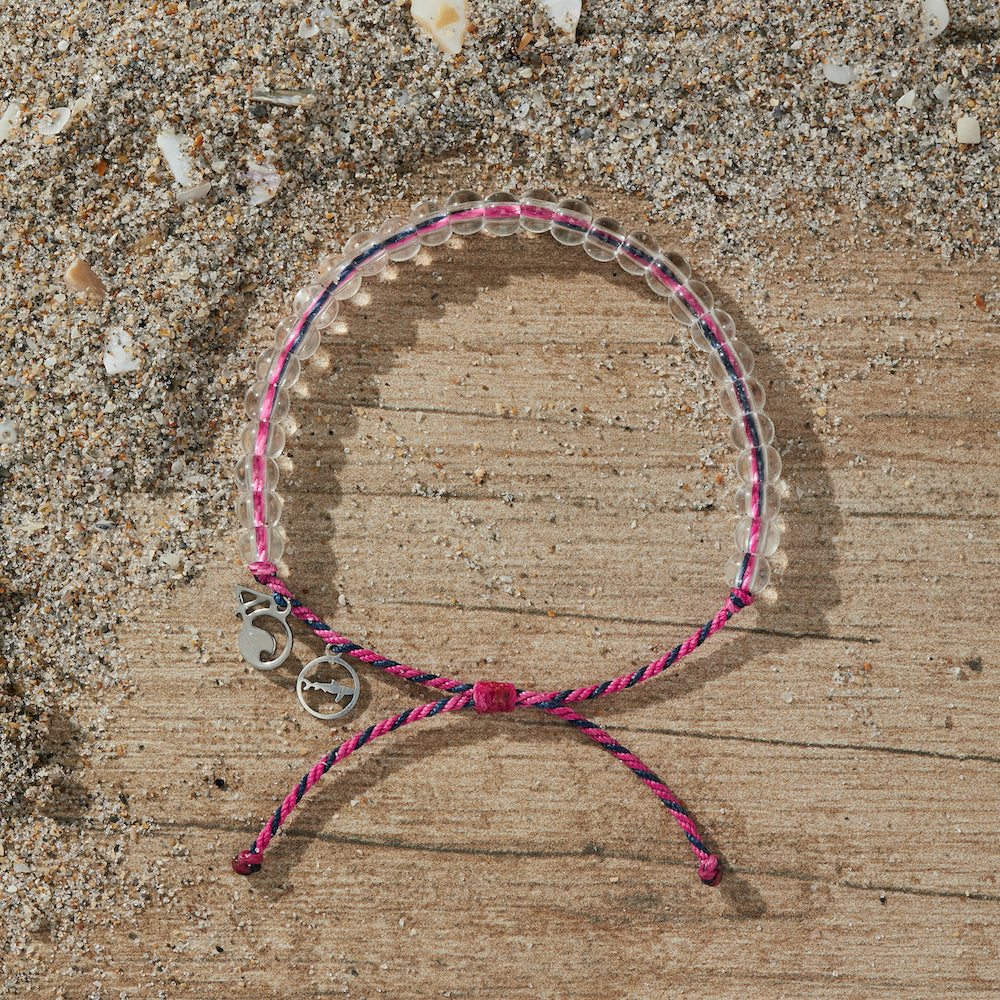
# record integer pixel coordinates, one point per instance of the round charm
(319, 676)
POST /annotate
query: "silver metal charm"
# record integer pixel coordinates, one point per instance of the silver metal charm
(257, 645)
(333, 688)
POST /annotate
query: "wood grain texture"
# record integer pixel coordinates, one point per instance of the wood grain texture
(515, 467)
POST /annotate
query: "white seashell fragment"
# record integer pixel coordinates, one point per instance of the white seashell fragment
(54, 121)
(8, 432)
(562, 14)
(178, 161)
(443, 20)
(839, 73)
(934, 18)
(967, 130)
(81, 277)
(118, 355)
(308, 28)
(908, 100)
(193, 193)
(10, 118)
(264, 182)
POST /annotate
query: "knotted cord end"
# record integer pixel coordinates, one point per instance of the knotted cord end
(263, 568)
(738, 600)
(494, 696)
(247, 862)
(710, 870)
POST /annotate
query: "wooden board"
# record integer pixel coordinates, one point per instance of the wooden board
(513, 465)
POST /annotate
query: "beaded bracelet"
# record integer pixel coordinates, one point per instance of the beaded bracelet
(570, 222)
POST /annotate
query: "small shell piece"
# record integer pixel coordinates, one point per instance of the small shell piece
(934, 19)
(563, 14)
(10, 118)
(839, 73)
(54, 121)
(172, 147)
(443, 20)
(81, 277)
(118, 355)
(967, 130)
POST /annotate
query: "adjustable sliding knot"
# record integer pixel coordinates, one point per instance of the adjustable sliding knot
(247, 862)
(494, 696)
(710, 870)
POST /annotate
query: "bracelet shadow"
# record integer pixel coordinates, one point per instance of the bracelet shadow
(386, 326)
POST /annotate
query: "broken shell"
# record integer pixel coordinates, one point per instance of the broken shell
(81, 277)
(444, 20)
(563, 14)
(54, 121)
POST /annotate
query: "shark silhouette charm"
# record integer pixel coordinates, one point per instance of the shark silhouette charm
(333, 688)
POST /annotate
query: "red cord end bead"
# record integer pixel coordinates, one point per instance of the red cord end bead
(710, 870)
(246, 863)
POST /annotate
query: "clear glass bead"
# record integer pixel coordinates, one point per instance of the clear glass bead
(571, 222)
(465, 201)
(434, 214)
(702, 293)
(399, 226)
(272, 509)
(275, 438)
(282, 332)
(507, 223)
(248, 547)
(251, 401)
(291, 372)
(679, 265)
(322, 319)
(742, 354)
(304, 298)
(681, 312)
(754, 578)
(255, 394)
(768, 535)
(366, 242)
(276, 543)
(725, 323)
(331, 271)
(653, 276)
(768, 499)
(738, 431)
(243, 473)
(746, 464)
(603, 238)
(535, 200)
(264, 362)
(644, 245)
(731, 402)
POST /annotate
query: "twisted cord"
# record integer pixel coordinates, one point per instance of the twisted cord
(248, 862)
(267, 574)
(489, 696)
